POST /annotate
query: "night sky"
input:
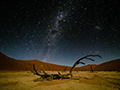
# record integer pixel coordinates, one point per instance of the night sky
(60, 31)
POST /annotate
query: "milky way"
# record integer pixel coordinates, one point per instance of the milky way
(54, 32)
(60, 32)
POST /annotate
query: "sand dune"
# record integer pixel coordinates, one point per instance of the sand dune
(113, 65)
(10, 64)
(85, 68)
(7, 63)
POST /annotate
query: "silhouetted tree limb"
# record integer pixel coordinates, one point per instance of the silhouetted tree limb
(59, 73)
(91, 69)
(82, 62)
(35, 70)
(43, 70)
(85, 57)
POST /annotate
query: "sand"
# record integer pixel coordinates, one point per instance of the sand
(82, 80)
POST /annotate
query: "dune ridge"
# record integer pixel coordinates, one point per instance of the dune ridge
(10, 64)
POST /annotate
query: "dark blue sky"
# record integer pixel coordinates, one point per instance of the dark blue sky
(60, 32)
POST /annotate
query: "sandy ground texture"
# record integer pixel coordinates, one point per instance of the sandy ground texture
(81, 80)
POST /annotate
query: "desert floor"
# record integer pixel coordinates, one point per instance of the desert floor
(81, 80)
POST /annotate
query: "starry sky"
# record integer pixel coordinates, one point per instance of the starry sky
(60, 31)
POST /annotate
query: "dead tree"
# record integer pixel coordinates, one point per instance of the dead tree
(85, 57)
(64, 76)
(91, 69)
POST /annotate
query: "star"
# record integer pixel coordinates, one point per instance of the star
(97, 27)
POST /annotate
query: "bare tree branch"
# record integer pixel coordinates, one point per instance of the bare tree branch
(82, 63)
(43, 70)
(90, 59)
(85, 57)
(35, 70)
